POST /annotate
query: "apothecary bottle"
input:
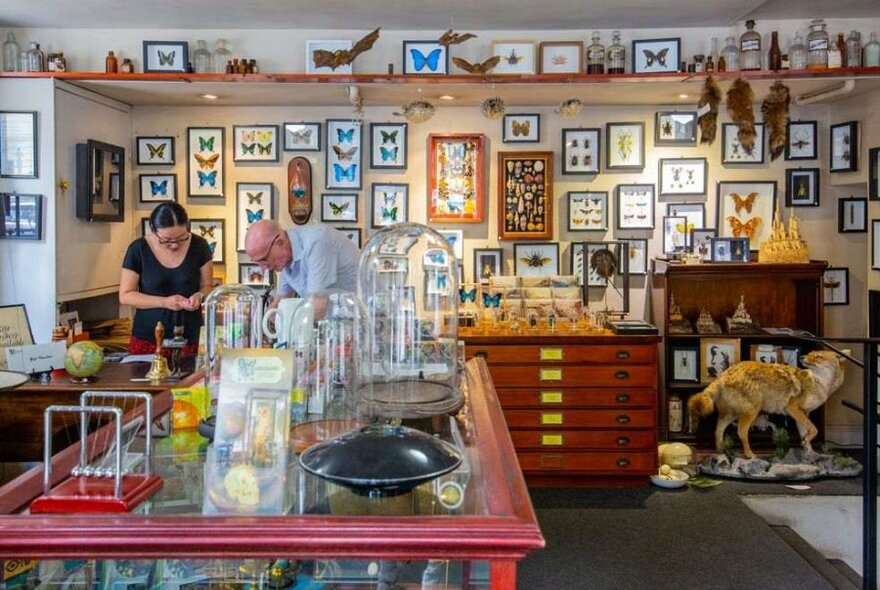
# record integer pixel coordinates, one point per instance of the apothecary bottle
(616, 55)
(221, 56)
(111, 64)
(36, 61)
(797, 53)
(872, 52)
(817, 45)
(774, 56)
(202, 61)
(750, 48)
(699, 66)
(854, 49)
(596, 56)
(731, 55)
(836, 51)
(11, 52)
(676, 413)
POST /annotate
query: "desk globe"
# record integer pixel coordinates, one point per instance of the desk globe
(83, 361)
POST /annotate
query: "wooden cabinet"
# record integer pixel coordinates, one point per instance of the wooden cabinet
(581, 410)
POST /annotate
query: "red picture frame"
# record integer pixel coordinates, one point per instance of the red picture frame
(456, 177)
(525, 195)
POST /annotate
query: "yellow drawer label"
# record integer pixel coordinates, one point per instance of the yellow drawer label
(551, 397)
(551, 354)
(551, 440)
(551, 418)
(551, 375)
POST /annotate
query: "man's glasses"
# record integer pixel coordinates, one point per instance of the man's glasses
(170, 241)
(269, 251)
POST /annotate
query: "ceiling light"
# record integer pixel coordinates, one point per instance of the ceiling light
(210, 96)
(684, 95)
(446, 97)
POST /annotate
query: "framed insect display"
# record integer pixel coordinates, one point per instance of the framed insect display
(674, 234)
(733, 152)
(844, 147)
(327, 46)
(525, 195)
(694, 214)
(302, 137)
(455, 238)
(213, 230)
(165, 56)
(155, 151)
(675, 128)
(425, 58)
(625, 146)
(456, 182)
(638, 255)
(683, 176)
(388, 145)
(874, 174)
(517, 57)
(339, 207)
(390, 203)
(730, 250)
(656, 55)
(635, 206)
(700, 240)
(835, 280)
(562, 57)
(852, 215)
(353, 234)
(156, 188)
(801, 144)
(255, 143)
(587, 211)
(252, 275)
(521, 128)
(685, 363)
(205, 162)
(745, 209)
(602, 263)
(536, 259)
(488, 263)
(580, 151)
(802, 187)
(254, 201)
(18, 144)
(343, 155)
(21, 216)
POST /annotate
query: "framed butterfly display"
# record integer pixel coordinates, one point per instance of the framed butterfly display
(353, 234)
(252, 275)
(456, 180)
(625, 146)
(425, 58)
(205, 163)
(521, 128)
(339, 207)
(388, 145)
(488, 263)
(536, 259)
(302, 137)
(214, 232)
(580, 151)
(745, 210)
(254, 201)
(455, 238)
(390, 203)
(517, 57)
(674, 234)
(683, 176)
(255, 143)
(343, 159)
(587, 211)
(694, 214)
(165, 56)
(732, 151)
(562, 57)
(155, 151)
(635, 206)
(525, 195)
(656, 55)
(156, 188)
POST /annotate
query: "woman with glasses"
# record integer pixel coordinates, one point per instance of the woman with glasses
(165, 277)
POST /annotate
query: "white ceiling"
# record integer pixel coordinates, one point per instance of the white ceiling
(415, 14)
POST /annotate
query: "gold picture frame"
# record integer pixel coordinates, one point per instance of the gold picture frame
(525, 195)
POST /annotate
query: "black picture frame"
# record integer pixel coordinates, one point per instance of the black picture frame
(736, 208)
(730, 154)
(674, 226)
(637, 264)
(511, 128)
(834, 280)
(378, 216)
(874, 174)
(584, 145)
(875, 244)
(244, 275)
(802, 187)
(700, 241)
(672, 182)
(843, 152)
(310, 131)
(257, 147)
(637, 196)
(338, 163)
(155, 62)
(339, 207)
(154, 150)
(529, 255)
(21, 216)
(610, 133)
(588, 211)
(657, 55)
(388, 149)
(19, 153)
(204, 224)
(157, 188)
(852, 215)
(351, 232)
(412, 61)
(207, 159)
(681, 371)
(801, 143)
(252, 201)
(481, 258)
(730, 250)
(675, 128)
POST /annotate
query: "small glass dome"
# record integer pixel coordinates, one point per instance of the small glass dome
(407, 278)
(232, 320)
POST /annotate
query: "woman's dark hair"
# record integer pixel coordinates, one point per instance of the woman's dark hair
(168, 214)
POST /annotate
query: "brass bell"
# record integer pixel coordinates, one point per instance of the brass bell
(159, 366)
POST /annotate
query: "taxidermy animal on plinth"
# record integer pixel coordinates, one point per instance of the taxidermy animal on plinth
(749, 388)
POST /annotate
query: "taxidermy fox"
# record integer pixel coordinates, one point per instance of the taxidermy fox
(750, 388)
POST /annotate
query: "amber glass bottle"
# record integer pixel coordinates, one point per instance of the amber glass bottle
(111, 65)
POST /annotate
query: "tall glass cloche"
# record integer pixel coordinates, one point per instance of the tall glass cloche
(407, 278)
(232, 320)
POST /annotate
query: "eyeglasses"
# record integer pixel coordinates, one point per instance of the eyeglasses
(171, 241)
(269, 251)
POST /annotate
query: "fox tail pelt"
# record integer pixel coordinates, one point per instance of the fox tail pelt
(710, 98)
(775, 111)
(739, 107)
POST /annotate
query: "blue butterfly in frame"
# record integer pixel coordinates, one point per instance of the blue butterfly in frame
(212, 246)
(345, 136)
(253, 216)
(455, 150)
(159, 188)
(389, 153)
(345, 173)
(466, 295)
(421, 61)
(209, 178)
(441, 281)
(389, 213)
(436, 256)
(491, 300)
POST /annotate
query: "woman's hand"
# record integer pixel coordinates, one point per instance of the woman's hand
(176, 302)
(194, 302)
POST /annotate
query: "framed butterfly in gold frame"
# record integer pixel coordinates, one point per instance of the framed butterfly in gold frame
(745, 209)
(522, 128)
(155, 151)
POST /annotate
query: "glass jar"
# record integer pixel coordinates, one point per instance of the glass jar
(699, 67)
(11, 52)
(221, 56)
(596, 56)
(797, 53)
(126, 67)
(817, 45)
(872, 52)
(36, 61)
(202, 61)
(836, 52)
(750, 48)
(616, 55)
(731, 55)
(854, 50)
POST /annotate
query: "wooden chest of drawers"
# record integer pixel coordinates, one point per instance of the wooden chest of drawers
(581, 410)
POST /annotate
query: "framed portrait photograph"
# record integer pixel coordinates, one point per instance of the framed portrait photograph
(625, 146)
(835, 281)
(341, 207)
(675, 128)
(732, 151)
(254, 201)
(425, 58)
(456, 178)
(205, 161)
(844, 156)
(327, 45)
(343, 156)
(638, 255)
(302, 137)
(488, 263)
(388, 145)
(587, 211)
(520, 173)
(581, 149)
(745, 209)
(802, 187)
(635, 206)
(517, 57)
(455, 239)
(18, 144)
(700, 241)
(874, 174)
(255, 143)
(656, 55)
(716, 356)
(562, 57)
(155, 151)
(683, 176)
(852, 215)
(521, 128)
(802, 141)
(353, 234)
(730, 249)
(576, 261)
(685, 363)
(22, 216)
(875, 244)
(165, 57)
(156, 188)
(252, 275)
(214, 232)
(389, 203)
(536, 259)
(674, 234)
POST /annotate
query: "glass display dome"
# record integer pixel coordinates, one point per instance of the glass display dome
(407, 278)
(233, 315)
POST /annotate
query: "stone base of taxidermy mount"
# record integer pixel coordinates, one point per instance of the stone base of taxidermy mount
(795, 465)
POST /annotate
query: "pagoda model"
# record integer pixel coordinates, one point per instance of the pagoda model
(784, 245)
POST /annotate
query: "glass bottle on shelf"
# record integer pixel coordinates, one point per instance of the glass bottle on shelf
(616, 54)
(596, 56)
(202, 61)
(221, 56)
(710, 65)
(750, 48)
(797, 53)
(835, 55)
(713, 45)
(817, 45)
(722, 64)
(731, 56)
(854, 50)
(126, 67)
(36, 61)
(774, 56)
(11, 52)
(111, 64)
(872, 52)
(699, 67)
(676, 413)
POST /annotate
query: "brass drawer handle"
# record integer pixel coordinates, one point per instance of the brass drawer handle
(623, 462)
(482, 353)
(623, 419)
(622, 374)
(623, 397)
(623, 354)
(623, 441)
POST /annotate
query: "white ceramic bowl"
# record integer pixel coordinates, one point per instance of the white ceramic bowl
(675, 479)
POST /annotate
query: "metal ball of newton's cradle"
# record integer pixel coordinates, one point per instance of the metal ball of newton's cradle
(604, 263)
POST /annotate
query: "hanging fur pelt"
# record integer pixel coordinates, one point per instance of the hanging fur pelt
(775, 111)
(739, 107)
(710, 98)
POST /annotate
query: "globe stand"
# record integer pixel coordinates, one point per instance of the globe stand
(82, 380)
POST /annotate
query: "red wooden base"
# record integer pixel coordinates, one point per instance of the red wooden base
(95, 494)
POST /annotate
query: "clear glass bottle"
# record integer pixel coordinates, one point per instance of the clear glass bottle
(797, 53)
(872, 52)
(202, 61)
(750, 48)
(616, 55)
(221, 56)
(596, 55)
(835, 55)
(817, 45)
(854, 50)
(699, 66)
(731, 55)
(36, 61)
(11, 51)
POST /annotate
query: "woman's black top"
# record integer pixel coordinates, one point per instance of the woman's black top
(162, 281)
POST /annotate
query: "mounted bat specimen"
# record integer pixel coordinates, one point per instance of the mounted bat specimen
(344, 57)
(449, 38)
(477, 68)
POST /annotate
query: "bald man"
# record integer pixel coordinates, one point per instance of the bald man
(309, 258)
